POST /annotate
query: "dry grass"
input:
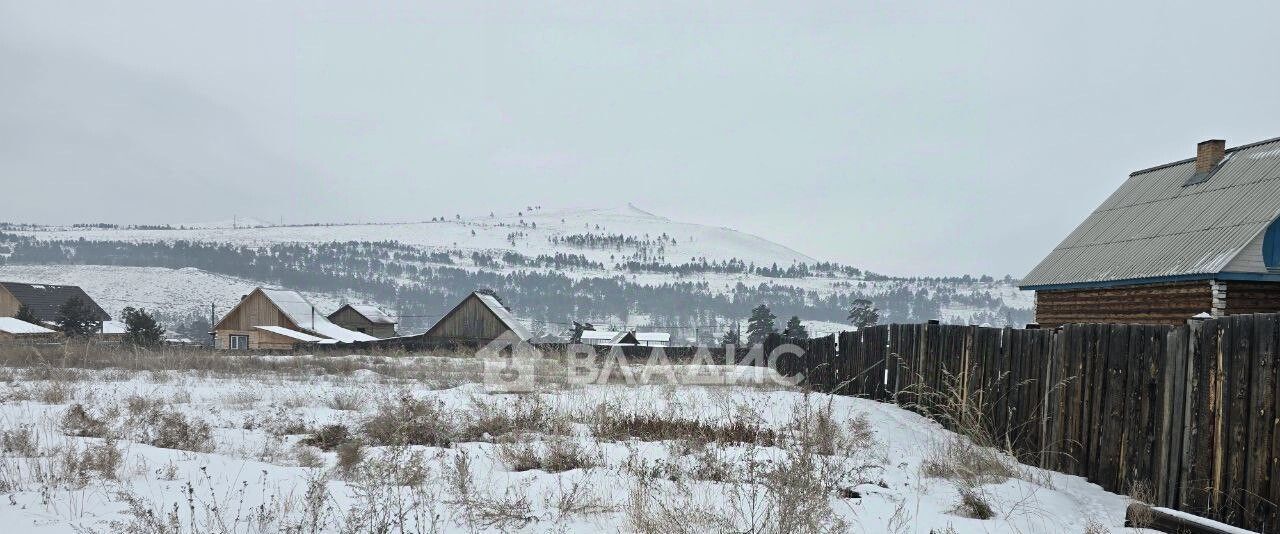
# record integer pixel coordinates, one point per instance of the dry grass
(410, 421)
(555, 456)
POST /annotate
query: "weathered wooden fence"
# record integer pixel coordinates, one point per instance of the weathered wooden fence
(1188, 413)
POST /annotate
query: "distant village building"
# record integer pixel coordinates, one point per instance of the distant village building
(609, 337)
(43, 301)
(1194, 236)
(365, 318)
(278, 319)
(14, 330)
(480, 317)
(112, 331)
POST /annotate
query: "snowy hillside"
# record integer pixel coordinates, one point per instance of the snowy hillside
(620, 267)
(534, 228)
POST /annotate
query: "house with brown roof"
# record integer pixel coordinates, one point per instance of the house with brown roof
(1194, 236)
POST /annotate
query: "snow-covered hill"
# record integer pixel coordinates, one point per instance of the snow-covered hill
(622, 267)
(532, 230)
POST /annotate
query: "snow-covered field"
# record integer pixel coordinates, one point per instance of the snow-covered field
(223, 443)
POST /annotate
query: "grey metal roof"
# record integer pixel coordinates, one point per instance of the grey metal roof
(1153, 226)
(44, 299)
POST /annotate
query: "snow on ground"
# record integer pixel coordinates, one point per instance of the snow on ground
(174, 292)
(566, 458)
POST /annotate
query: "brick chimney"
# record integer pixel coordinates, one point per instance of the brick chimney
(1209, 153)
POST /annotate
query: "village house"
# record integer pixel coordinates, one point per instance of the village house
(365, 318)
(479, 318)
(271, 318)
(14, 330)
(43, 301)
(1196, 236)
(609, 337)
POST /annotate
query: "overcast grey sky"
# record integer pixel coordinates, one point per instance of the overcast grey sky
(902, 137)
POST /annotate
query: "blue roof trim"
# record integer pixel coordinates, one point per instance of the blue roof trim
(1247, 277)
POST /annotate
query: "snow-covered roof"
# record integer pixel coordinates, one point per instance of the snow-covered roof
(505, 316)
(372, 313)
(651, 337)
(9, 325)
(302, 313)
(598, 335)
(293, 334)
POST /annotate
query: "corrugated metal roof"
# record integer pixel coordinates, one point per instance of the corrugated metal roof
(1152, 226)
(505, 316)
(43, 300)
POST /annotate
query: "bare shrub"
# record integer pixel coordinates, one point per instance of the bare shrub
(350, 454)
(650, 510)
(488, 421)
(309, 457)
(577, 499)
(103, 458)
(554, 456)
(56, 392)
(410, 421)
(1093, 526)
(974, 504)
(348, 401)
(329, 437)
(958, 459)
(21, 441)
(610, 426)
(173, 430)
(76, 421)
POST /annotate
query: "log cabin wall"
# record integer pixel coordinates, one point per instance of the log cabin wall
(1168, 303)
(1249, 297)
(471, 320)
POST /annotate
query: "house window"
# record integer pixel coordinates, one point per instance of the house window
(238, 342)
(1271, 246)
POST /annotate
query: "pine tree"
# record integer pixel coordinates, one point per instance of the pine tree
(25, 315)
(141, 328)
(732, 336)
(760, 325)
(76, 319)
(794, 330)
(863, 314)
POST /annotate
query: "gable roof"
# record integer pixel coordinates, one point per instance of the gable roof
(9, 325)
(373, 313)
(505, 315)
(1155, 227)
(303, 314)
(500, 311)
(44, 299)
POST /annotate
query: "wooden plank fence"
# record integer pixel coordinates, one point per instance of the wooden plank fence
(1185, 415)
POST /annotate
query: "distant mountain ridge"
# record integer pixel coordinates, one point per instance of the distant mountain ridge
(620, 266)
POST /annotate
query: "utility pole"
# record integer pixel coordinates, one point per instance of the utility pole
(213, 318)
